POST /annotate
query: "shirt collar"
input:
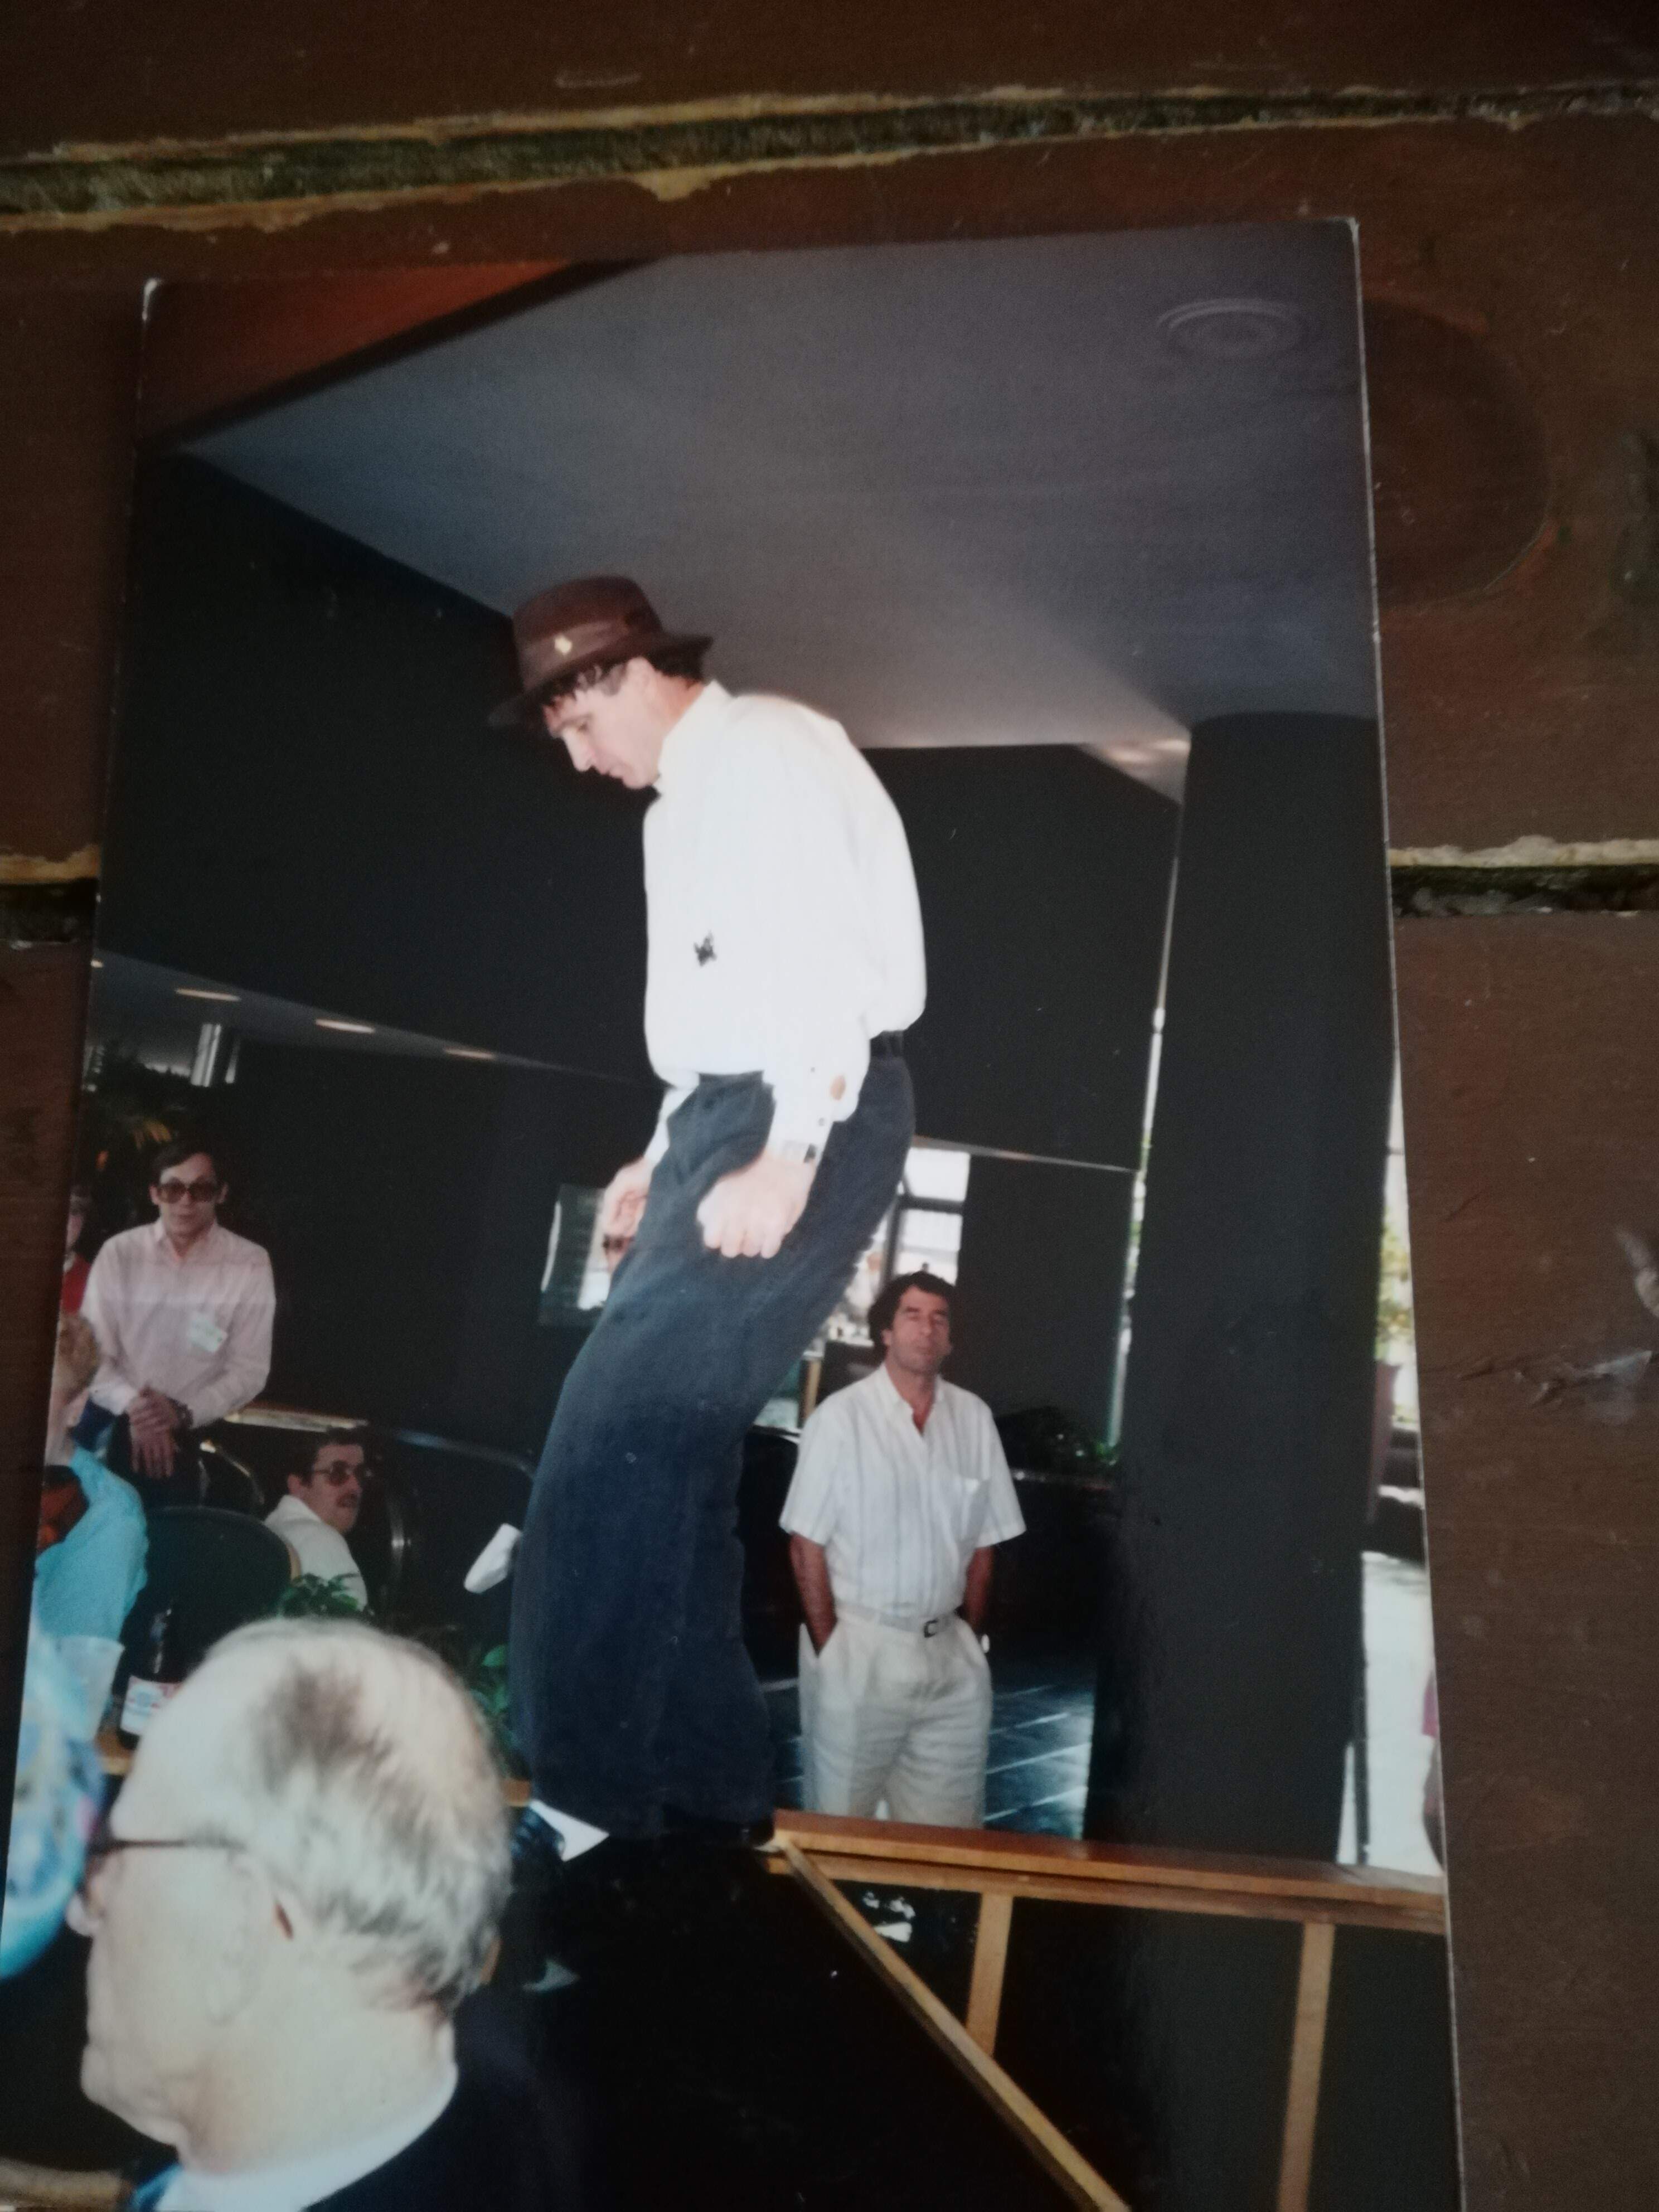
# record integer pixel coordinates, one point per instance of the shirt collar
(290, 1500)
(200, 1250)
(895, 1405)
(706, 710)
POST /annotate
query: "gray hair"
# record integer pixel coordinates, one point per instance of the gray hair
(362, 1778)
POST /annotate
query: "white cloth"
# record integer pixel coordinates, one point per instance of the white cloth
(322, 1549)
(304, 2181)
(890, 1715)
(901, 1511)
(575, 1837)
(784, 927)
(196, 1329)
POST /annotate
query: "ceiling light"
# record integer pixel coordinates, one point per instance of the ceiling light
(97, 963)
(225, 997)
(467, 1052)
(1229, 332)
(352, 1029)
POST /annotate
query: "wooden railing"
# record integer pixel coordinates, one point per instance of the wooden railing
(820, 1850)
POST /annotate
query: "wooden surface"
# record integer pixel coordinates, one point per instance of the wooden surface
(181, 71)
(1313, 1999)
(991, 1933)
(1518, 272)
(969, 1856)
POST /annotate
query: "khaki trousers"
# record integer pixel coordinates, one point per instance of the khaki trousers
(889, 1713)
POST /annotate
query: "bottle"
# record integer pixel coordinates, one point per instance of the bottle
(155, 1677)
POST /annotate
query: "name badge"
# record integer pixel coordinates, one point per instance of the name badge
(203, 1332)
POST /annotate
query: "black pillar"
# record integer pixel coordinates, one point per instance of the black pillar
(1232, 1623)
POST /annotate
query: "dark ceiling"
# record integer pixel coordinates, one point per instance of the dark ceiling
(1075, 490)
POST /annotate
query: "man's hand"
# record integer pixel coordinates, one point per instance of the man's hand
(622, 1208)
(811, 1563)
(976, 1591)
(747, 1215)
(151, 1421)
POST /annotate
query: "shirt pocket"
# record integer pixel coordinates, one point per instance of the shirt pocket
(970, 1499)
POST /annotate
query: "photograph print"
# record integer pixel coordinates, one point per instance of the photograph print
(737, 1294)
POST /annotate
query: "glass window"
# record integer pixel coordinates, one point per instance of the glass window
(934, 1171)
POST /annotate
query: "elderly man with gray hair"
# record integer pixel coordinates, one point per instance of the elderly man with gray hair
(299, 1882)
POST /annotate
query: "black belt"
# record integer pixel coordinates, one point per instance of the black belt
(889, 1045)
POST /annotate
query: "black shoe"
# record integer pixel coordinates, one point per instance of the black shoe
(719, 1835)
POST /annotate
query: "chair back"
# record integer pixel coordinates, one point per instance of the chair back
(216, 1570)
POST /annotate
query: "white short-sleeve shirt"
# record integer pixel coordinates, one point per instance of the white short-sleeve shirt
(322, 1549)
(901, 1511)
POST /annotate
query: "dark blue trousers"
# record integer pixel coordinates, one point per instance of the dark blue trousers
(631, 1688)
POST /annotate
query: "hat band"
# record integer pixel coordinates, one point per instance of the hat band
(540, 657)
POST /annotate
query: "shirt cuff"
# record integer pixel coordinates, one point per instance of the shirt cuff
(113, 1392)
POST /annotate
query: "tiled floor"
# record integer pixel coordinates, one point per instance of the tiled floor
(1042, 1718)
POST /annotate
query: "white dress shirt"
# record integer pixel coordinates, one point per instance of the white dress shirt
(899, 1511)
(321, 1548)
(303, 2181)
(196, 1329)
(784, 927)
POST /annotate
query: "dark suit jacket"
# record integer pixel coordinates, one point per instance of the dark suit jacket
(513, 2137)
(487, 2149)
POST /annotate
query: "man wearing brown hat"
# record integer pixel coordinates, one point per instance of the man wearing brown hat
(785, 963)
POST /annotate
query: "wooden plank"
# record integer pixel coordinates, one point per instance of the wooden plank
(1532, 1098)
(1126, 1896)
(68, 365)
(184, 72)
(1004, 2095)
(1313, 1997)
(42, 998)
(49, 2189)
(1301, 1880)
(996, 1914)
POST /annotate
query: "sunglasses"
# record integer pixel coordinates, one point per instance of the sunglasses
(173, 1193)
(338, 1477)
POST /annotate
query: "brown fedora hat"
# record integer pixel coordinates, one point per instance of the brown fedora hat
(587, 623)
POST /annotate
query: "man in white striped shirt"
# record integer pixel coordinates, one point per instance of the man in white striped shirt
(900, 1494)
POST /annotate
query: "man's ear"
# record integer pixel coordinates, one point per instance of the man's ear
(224, 1192)
(296, 1484)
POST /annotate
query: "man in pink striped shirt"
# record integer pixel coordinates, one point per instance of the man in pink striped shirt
(182, 1309)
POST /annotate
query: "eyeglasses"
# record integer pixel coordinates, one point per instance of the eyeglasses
(338, 1477)
(102, 1845)
(173, 1192)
